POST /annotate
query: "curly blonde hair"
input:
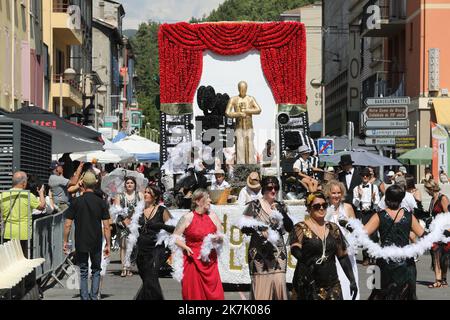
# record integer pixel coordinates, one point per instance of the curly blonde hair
(333, 183)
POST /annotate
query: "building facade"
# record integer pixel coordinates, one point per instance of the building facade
(311, 17)
(67, 34)
(107, 54)
(22, 54)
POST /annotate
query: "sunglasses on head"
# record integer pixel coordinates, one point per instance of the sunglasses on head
(319, 206)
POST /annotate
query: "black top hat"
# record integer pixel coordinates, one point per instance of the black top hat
(345, 160)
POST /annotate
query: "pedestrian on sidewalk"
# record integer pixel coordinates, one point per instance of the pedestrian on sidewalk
(89, 213)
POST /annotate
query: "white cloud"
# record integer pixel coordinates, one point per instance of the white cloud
(170, 11)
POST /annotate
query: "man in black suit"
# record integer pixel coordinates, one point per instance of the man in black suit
(349, 176)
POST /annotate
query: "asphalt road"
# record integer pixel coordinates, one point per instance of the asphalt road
(115, 287)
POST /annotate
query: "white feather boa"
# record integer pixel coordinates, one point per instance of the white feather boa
(177, 257)
(115, 211)
(134, 231)
(208, 245)
(394, 253)
(164, 236)
(248, 222)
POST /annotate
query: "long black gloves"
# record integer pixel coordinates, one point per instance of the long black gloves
(287, 222)
(347, 267)
(447, 233)
(159, 225)
(344, 223)
(297, 253)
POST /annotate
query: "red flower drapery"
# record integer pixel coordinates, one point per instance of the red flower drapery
(283, 58)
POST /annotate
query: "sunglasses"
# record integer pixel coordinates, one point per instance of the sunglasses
(272, 187)
(319, 206)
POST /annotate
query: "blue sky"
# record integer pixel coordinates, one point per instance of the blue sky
(169, 11)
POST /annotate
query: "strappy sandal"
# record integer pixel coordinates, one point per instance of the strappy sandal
(437, 284)
(129, 273)
(124, 272)
(444, 282)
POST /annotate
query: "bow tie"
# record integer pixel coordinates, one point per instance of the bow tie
(366, 186)
(348, 172)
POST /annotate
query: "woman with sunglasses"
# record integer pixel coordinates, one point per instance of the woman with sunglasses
(338, 210)
(316, 244)
(266, 220)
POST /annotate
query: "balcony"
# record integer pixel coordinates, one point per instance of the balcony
(390, 21)
(67, 24)
(71, 91)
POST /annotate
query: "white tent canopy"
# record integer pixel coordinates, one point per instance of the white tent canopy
(142, 148)
(112, 154)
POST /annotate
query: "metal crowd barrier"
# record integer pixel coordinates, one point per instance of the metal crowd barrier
(48, 243)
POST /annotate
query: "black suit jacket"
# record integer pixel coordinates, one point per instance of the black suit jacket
(356, 180)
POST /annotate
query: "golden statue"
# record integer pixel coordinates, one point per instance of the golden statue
(242, 108)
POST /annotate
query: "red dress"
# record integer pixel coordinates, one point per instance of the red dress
(201, 280)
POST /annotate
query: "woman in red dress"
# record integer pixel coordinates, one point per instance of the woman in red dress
(201, 229)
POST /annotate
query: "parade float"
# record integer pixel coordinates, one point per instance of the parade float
(226, 89)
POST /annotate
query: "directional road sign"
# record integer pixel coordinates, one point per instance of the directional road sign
(387, 123)
(380, 141)
(386, 112)
(111, 119)
(387, 132)
(387, 101)
(325, 146)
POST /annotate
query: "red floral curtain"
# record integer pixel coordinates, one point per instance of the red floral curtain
(283, 58)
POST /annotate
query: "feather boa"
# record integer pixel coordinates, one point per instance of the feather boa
(164, 236)
(134, 231)
(208, 245)
(245, 221)
(115, 211)
(394, 253)
(177, 257)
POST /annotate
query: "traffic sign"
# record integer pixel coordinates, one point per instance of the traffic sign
(325, 146)
(386, 113)
(387, 132)
(111, 119)
(408, 142)
(380, 141)
(387, 101)
(387, 123)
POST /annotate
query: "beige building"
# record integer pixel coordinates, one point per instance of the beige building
(67, 33)
(22, 54)
(311, 17)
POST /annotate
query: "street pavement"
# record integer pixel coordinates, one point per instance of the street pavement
(115, 287)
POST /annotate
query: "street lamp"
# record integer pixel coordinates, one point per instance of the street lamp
(70, 75)
(316, 84)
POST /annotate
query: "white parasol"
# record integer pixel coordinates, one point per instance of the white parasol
(114, 183)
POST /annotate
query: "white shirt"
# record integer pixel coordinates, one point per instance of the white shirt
(348, 177)
(408, 202)
(246, 195)
(365, 202)
(224, 185)
(304, 166)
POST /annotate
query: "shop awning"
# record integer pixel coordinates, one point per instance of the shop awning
(442, 111)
